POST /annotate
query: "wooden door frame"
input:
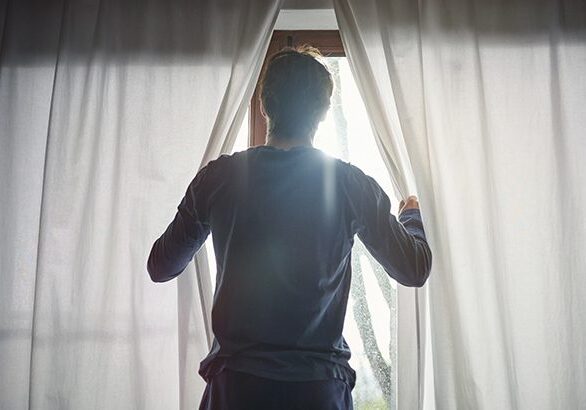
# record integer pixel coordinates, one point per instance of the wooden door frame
(328, 42)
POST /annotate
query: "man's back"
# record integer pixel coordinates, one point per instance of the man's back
(283, 234)
(283, 224)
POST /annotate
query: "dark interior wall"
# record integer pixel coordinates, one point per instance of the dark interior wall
(150, 30)
(308, 4)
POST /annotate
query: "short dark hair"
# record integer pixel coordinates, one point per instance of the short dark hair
(296, 87)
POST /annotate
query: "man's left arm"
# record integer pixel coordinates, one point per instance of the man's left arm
(184, 236)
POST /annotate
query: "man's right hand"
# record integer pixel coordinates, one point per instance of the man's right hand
(409, 203)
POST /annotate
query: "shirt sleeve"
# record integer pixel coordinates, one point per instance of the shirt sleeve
(399, 246)
(184, 236)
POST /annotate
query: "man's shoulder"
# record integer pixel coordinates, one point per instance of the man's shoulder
(350, 170)
(225, 160)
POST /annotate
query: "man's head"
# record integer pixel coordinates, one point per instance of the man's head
(296, 87)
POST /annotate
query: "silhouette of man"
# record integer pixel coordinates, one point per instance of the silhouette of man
(283, 218)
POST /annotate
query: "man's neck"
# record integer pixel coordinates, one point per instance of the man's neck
(288, 143)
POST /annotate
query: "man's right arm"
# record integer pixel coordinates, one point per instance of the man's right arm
(399, 246)
(185, 235)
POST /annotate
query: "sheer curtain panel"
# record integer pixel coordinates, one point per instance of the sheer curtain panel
(489, 100)
(107, 110)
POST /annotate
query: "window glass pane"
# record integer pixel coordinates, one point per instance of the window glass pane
(371, 318)
(241, 142)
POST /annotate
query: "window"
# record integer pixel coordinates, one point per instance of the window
(371, 320)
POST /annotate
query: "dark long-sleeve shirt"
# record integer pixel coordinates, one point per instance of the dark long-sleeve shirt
(283, 224)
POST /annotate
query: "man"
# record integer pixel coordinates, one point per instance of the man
(283, 218)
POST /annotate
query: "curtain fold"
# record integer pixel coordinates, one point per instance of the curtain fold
(362, 27)
(107, 110)
(489, 98)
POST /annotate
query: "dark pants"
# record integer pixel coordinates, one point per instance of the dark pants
(231, 390)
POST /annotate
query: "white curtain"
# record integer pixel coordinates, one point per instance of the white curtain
(481, 104)
(107, 110)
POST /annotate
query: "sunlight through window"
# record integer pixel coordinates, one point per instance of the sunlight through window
(371, 319)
